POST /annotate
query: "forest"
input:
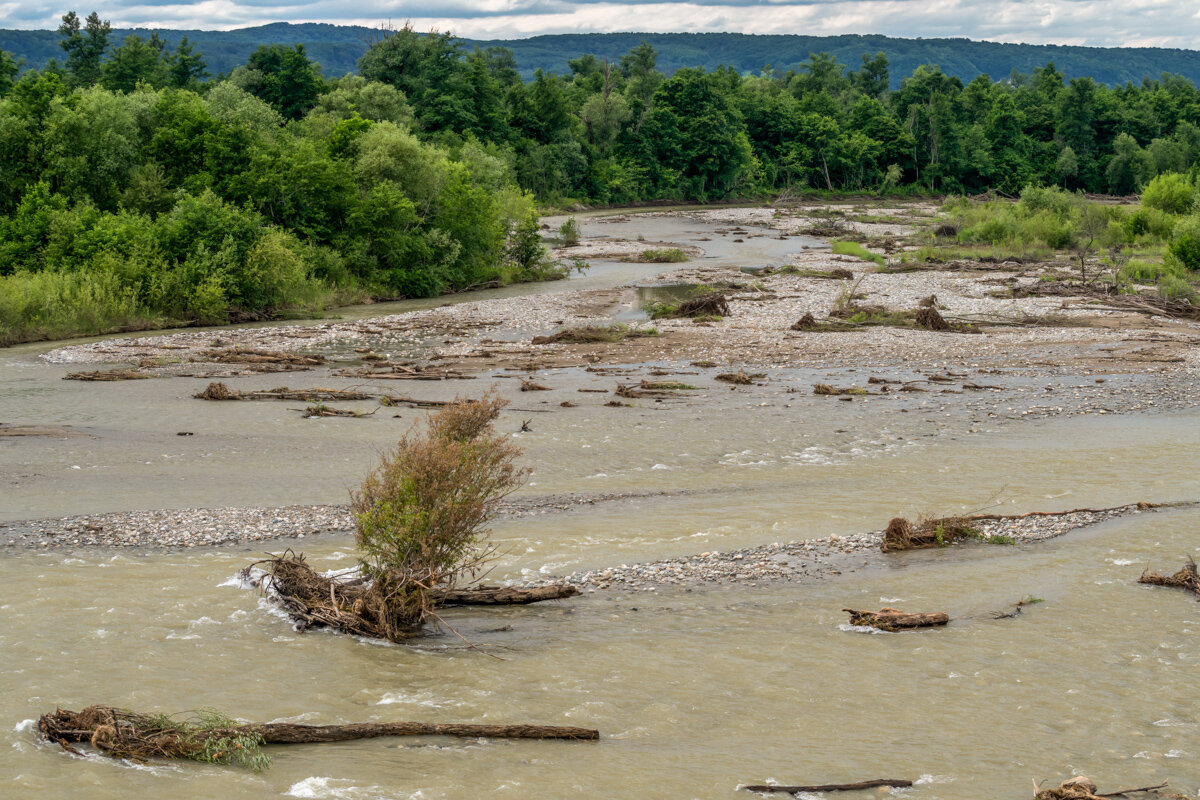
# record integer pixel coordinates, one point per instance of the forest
(137, 190)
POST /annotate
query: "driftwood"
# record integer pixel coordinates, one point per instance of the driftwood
(403, 372)
(712, 304)
(1186, 578)
(830, 787)
(126, 734)
(929, 318)
(107, 375)
(893, 619)
(219, 391)
(501, 595)
(249, 355)
(1083, 788)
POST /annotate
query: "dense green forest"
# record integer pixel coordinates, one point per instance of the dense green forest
(134, 190)
(338, 47)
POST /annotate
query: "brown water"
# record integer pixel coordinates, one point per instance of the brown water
(694, 692)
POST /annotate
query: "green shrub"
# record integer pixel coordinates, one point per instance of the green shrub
(664, 255)
(1152, 223)
(420, 518)
(1039, 200)
(1186, 244)
(1169, 192)
(568, 232)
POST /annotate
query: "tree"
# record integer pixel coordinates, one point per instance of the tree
(185, 67)
(874, 78)
(135, 61)
(604, 113)
(282, 76)
(9, 69)
(84, 47)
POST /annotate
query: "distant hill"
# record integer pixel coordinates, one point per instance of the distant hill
(338, 47)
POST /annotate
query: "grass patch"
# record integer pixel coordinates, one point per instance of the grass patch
(595, 334)
(845, 248)
(663, 255)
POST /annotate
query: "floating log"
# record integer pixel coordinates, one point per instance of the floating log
(1186, 578)
(830, 787)
(127, 734)
(501, 595)
(893, 619)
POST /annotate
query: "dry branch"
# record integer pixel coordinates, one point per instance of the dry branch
(893, 619)
(107, 375)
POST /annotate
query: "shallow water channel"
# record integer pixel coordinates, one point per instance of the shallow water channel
(695, 691)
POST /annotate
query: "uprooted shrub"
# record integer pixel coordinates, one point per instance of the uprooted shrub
(901, 534)
(420, 525)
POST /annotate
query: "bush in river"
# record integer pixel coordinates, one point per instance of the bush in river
(421, 517)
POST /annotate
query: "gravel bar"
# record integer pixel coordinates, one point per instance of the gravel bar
(808, 559)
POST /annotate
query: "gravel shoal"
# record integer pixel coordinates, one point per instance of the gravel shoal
(206, 527)
(811, 559)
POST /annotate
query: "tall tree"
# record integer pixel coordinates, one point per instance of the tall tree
(84, 46)
(284, 77)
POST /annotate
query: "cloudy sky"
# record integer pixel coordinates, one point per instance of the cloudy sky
(1160, 23)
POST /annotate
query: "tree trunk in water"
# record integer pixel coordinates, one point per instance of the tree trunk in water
(830, 787)
(501, 595)
(288, 733)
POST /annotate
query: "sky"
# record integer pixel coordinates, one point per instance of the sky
(1131, 23)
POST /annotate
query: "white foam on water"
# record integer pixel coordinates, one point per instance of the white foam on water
(25, 725)
(846, 626)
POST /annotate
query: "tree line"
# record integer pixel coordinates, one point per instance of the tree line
(129, 174)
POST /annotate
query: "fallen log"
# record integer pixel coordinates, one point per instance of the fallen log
(830, 787)
(1186, 578)
(107, 375)
(501, 595)
(219, 391)
(1084, 788)
(893, 619)
(212, 738)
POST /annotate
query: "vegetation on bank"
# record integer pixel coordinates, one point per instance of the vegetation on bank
(135, 191)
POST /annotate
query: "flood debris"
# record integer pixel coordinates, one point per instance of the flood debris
(251, 355)
(893, 619)
(806, 323)
(389, 371)
(322, 410)
(421, 531)
(901, 534)
(219, 391)
(1186, 578)
(1084, 788)
(528, 385)
(59, 431)
(832, 391)
(108, 375)
(931, 319)
(738, 378)
(652, 389)
(767, 788)
(214, 738)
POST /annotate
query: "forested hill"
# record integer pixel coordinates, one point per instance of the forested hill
(337, 49)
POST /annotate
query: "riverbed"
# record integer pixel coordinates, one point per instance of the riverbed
(696, 689)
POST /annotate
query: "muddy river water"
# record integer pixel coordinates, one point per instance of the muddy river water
(695, 691)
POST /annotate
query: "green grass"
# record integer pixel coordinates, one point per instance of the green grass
(845, 248)
(663, 255)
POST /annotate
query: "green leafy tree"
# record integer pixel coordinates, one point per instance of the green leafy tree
(136, 61)
(282, 76)
(185, 67)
